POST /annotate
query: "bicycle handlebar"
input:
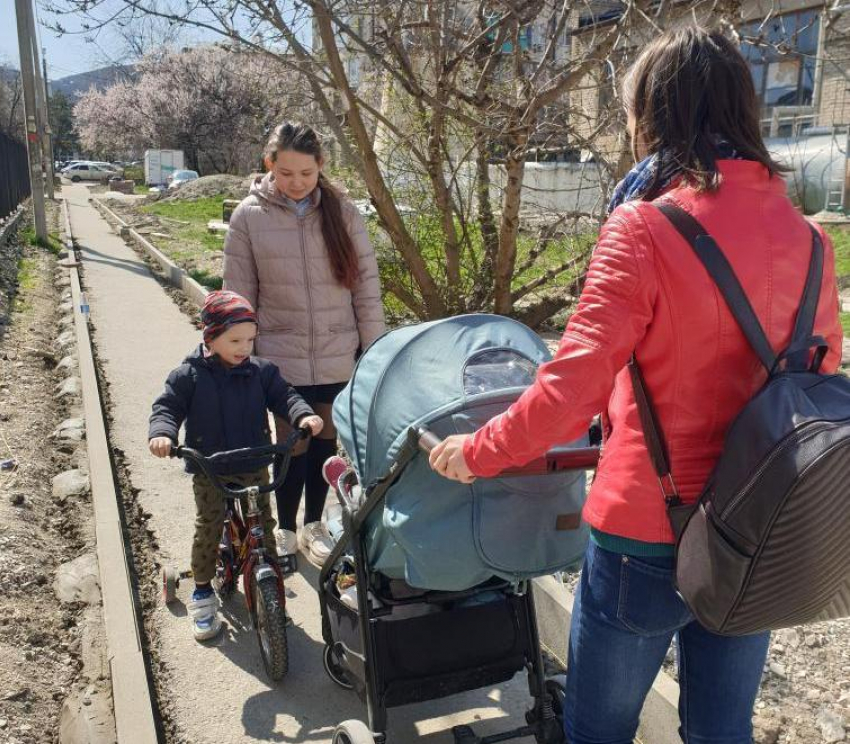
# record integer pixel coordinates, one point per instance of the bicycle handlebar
(282, 451)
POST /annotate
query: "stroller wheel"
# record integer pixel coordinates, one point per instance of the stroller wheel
(334, 668)
(353, 732)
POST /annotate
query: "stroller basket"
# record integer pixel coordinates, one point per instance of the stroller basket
(413, 667)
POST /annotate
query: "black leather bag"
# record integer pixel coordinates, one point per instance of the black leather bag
(767, 545)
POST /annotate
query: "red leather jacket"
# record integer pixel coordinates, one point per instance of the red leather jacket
(646, 292)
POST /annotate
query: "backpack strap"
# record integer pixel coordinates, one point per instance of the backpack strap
(724, 277)
(653, 436)
(805, 324)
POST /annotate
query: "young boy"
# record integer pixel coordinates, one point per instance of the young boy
(223, 394)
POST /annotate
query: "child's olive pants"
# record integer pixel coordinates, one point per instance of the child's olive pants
(209, 519)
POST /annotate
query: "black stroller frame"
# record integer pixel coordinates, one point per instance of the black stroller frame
(366, 668)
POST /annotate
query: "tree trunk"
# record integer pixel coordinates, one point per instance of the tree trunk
(506, 257)
(489, 232)
(382, 198)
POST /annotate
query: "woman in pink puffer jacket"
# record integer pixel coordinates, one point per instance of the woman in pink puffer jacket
(299, 252)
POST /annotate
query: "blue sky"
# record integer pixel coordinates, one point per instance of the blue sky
(66, 55)
(73, 52)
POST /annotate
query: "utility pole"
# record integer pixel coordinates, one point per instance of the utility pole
(40, 105)
(47, 138)
(25, 46)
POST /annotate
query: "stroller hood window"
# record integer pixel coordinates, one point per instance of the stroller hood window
(497, 369)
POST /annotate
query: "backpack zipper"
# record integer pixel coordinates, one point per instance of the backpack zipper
(793, 437)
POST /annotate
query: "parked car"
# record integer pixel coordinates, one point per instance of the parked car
(90, 172)
(71, 163)
(180, 177)
(108, 166)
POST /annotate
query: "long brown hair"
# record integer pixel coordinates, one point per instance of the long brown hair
(343, 255)
(688, 88)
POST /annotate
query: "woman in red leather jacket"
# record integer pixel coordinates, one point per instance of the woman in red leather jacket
(694, 120)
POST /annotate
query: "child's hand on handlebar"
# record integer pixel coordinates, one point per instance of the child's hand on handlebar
(160, 446)
(313, 423)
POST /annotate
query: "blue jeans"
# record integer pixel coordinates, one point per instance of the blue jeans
(625, 615)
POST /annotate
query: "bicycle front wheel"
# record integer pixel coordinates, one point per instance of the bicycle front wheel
(270, 621)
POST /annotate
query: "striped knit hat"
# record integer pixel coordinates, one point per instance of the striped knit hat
(223, 309)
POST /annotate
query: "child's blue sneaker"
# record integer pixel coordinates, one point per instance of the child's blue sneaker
(203, 610)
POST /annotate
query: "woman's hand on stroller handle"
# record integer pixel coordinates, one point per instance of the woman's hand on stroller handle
(446, 457)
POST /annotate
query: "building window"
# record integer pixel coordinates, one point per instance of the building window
(781, 53)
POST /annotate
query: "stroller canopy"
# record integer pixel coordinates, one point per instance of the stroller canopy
(452, 375)
(413, 371)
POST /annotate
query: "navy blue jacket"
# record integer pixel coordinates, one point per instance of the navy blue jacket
(224, 408)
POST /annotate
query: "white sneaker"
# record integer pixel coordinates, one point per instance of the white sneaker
(287, 542)
(315, 543)
(204, 613)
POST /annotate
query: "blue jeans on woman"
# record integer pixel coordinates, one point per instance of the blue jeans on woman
(625, 615)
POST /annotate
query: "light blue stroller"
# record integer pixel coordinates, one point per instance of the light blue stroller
(443, 598)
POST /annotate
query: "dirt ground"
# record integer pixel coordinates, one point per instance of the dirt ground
(41, 638)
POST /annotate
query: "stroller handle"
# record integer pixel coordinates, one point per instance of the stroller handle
(282, 451)
(555, 460)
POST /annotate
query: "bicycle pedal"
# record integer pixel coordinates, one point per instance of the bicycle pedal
(288, 563)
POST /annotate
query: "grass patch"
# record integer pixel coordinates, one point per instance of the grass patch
(52, 244)
(27, 280)
(845, 324)
(840, 237)
(187, 220)
(197, 210)
(207, 279)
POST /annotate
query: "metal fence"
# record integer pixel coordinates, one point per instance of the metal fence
(14, 175)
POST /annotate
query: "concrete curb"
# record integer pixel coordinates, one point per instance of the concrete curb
(134, 711)
(176, 276)
(659, 721)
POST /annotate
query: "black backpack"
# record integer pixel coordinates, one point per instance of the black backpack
(767, 545)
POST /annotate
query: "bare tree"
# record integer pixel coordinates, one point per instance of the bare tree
(11, 103)
(214, 103)
(443, 106)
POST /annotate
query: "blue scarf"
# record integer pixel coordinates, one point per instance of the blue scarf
(640, 179)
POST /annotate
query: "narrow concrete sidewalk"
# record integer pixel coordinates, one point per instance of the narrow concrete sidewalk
(219, 693)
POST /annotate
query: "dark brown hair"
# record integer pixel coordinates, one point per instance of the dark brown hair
(686, 89)
(343, 256)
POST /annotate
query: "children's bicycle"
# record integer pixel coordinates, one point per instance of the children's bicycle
(242, 549)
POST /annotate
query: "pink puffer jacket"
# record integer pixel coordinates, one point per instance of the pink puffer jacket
(310, 325)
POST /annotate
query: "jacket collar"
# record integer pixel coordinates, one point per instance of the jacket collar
(264, 189)
(749, 174)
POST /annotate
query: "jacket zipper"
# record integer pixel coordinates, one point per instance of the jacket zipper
(309, 298)
(794, 437)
